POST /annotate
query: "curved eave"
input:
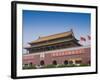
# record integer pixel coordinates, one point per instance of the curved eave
(52, 44)
(52, 37)
(27, 47)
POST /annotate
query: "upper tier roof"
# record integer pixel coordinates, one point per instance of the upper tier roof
(51, 37)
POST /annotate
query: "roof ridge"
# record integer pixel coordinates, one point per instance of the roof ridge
(53, 34)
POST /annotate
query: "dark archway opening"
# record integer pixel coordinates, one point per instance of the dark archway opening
(42, 62)
(54, 62)
(65, 62)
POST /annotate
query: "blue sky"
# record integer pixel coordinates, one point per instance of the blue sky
(43, 23)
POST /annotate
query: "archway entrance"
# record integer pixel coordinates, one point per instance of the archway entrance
(42, 62)
(66, 62)
(54, 62)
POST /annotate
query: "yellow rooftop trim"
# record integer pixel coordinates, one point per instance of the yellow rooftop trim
(54, 36)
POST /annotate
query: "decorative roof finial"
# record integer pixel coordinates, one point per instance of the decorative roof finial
(71, 30)
(39, 37)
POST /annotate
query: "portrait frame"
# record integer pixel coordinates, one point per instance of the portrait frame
(16, 7)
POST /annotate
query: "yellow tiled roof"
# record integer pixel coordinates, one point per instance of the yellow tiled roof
(54, 36)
